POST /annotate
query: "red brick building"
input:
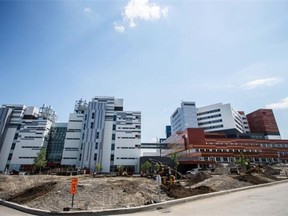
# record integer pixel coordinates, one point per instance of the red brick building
(194, 147)
(263, 121)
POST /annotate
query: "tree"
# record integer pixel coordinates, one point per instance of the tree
(174, 158)
(145, 167)
(244, 163)
(40, 160)
(121, 170)
(98, 167)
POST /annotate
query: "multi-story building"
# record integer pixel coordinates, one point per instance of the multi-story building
(263, 121)
(72, 145)
(222, 117)
(56, 143)
(184, 117)
(100, 132)
(25, 132)
(195, 148)
(216, 117)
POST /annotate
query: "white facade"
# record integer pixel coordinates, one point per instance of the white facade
(101, 132)
(218, 117)
(128, 139)
(70, 155)
(184, 117)
(25, 134)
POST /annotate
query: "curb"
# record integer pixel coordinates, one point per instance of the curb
(156, 206)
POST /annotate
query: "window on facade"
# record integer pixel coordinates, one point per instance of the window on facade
(10, 156)
(13, 146)
(113, 147)
(96, 145)
(16, 136)
(97, 135)
(114, 127)
(93, 115)
(92, 125)
(84, 127)
(113, 136)
(95, 156)
(80, 157)
(112, 157)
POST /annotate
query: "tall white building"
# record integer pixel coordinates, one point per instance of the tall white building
(221, 117)
(184, 117)
(23, 132)
(100, 132)
(215, 117)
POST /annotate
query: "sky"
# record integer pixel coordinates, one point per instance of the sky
(152, 53)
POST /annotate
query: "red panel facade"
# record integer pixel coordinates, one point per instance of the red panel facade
(263, 121)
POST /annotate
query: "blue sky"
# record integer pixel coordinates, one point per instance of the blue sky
(151, 53)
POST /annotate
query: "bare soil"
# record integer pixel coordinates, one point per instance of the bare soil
(53, 192)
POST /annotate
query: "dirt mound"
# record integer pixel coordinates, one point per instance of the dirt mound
(198, 177)
(271, 171)
(251, 179)
(32, 193)
(178, 191)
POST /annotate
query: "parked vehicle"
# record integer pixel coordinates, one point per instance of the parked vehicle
(194, 171)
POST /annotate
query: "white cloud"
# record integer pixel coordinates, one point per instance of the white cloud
(119, 28)
(87, 10)
(283, 104)
(261, 82)
(142, 10)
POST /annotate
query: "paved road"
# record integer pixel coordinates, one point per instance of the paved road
(5, 211)
(265, 201)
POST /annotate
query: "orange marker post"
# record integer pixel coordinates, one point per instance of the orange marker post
(73, 190)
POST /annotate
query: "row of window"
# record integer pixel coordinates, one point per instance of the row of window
(27, 157)
(212, 127)
(227, 150)
(208, 117)
(210, 122)
(71, 149)
(32, 147)
(271, 145)
(207, 112)
(68, 138)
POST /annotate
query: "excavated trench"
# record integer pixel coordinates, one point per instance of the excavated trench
(32, 193)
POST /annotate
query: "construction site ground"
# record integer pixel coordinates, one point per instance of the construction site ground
(51, 192)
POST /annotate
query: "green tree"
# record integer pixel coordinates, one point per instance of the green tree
(40, 160)
(145, 167)
(242, 161)
(174, 158)
(98, 167)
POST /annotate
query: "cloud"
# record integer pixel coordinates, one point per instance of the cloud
(141, 10)
(261, 82)
(119, 28)
(87, 10)
(283, 104)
